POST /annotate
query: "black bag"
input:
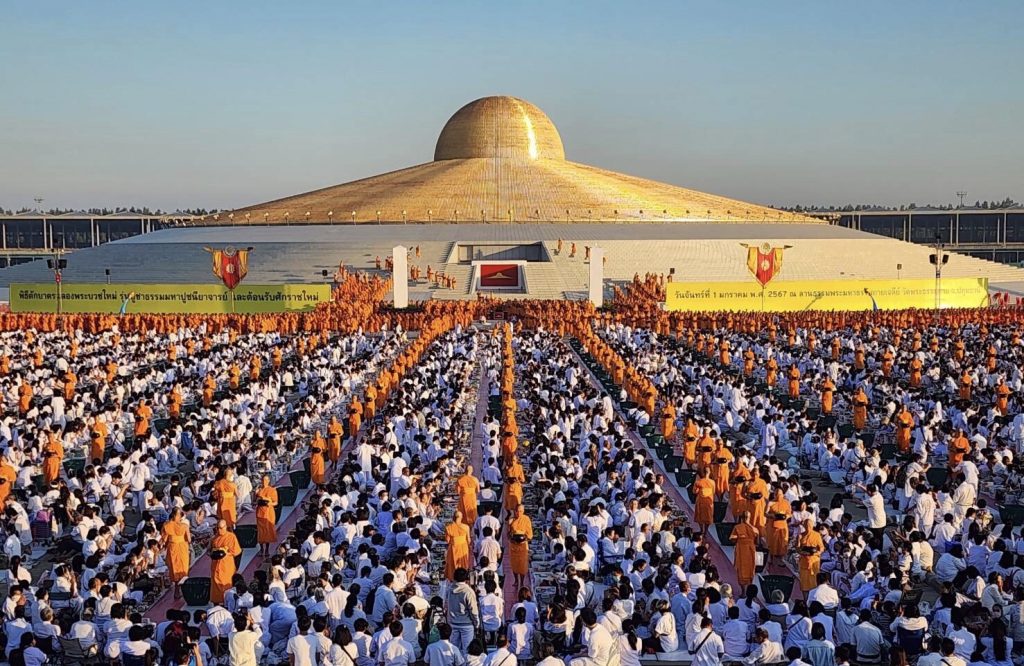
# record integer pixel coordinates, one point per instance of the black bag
(218, 554)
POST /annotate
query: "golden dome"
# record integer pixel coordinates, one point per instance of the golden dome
(502, 127)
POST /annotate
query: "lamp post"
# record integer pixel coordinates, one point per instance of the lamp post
(266, 218)
(939, 258)
(378, 217)
(330, 216)
(307, 217)
(57, 264)
(107, 271)
(353, 217)
(403, 217)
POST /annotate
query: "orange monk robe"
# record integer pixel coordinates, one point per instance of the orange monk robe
(98, 440)
(836, 344)
(810, 561)
(266, 516)
(317, 462)
(519, 553)
(1002, 398)
(723, 353)
(858, 358)
(958, 350)
(827, 392)
(223, 570)
(176, 549)
(915, 372)
(234, 376)
(371, 402)
(887, 362)
(958, 448)
(772, 373)
(143, 413)
(53, 456)
(509, 444)
(904, 427)
(70, 382)
(9, 475)
(209, 388)
(355, 418)
(226, 492)
(706, 447)
(745, 538)
(794, 382)
(5, 364)
(456, 535)
(174, 407)
(668, 422)
(468, 488)
(334, 432)
(778, 528)
(756, 494)
(748, 363)
(276, 357)
(25, 394)
(720, 469)
(513, 493)
(965, 386)
(740, 478)
(255, 367)
(860, 409)
(704, 506)
(690, 434)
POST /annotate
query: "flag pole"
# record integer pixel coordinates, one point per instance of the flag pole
(232, 292)
(762, 298)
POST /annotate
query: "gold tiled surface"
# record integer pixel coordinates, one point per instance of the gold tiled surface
(500, 159)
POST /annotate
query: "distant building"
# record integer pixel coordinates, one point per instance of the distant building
(996, 235)
(31, 235)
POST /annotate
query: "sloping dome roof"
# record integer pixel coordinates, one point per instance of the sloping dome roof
(500, 159)
(499, 127)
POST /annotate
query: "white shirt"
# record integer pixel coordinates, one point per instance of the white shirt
(875, 504)
(707, 648)
(244, 648)
(397, 652)
(304, 649)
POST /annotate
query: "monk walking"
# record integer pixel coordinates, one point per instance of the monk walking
(520, 531)
(456, 535)
(745, 537)
(704, 494)
(810, 547)
(779, 512)
(266, 516)
(225, 492)
(468, 488)
(177, 537)
(317, 463)
(860, 409)
(224, 548)
(53, 457)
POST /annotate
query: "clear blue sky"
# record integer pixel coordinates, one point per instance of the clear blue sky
(221, 104)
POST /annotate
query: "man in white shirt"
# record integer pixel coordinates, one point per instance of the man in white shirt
(502, 656)
(875, 505)
(707, 648)
(765, 650)
(244, 646)
(824, 593)
(444, 652)
(397, 651)
(303, 647)
(601, 647)
(735, 635)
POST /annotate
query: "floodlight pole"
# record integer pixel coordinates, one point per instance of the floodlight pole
(938, 271)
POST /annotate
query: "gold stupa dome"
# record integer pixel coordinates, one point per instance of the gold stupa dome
(499, 127)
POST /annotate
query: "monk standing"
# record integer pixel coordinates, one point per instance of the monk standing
(1002, 398)
(456, 535)
(720, 468)
(355, 417)
(779, 512)
(668, 421)
(860, 409)
(810, 547)
(225, 492)
(334, 432)
(745, 536)
(224, 548)
(827, 390)
(704, 497)
(468, 488)
(177, 537)
(756, 493)
(317, 463)
(520, 531)
(794, 382)
(266, 516)
(904, 427)
(53, 457)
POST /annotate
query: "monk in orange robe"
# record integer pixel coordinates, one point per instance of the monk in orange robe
(355, 417)
(668, 421)
(266, 516)
(334, 432)
(234, 376)
(209, 388)
(828, 389)
(1002, 398)
(690, 434)
(224, 548)
(317, 462)
(965, 385)
(740, 477)
(794, 382)
(25, 394)
(779, 513)
(98, 439)
(860, 409)
(915, 372)
(143, 413)
(520, 531)
(720, 468)
(8, 475)
(70, 382)
(456, 535)
(771, 372)
(176, 537)
(745, 537)
(810, 547)
(756, 494)
(225, 492)
(704, 504)
(53, 457)
(468, 488)
(904, 427)
(748, 363)
(958, 448)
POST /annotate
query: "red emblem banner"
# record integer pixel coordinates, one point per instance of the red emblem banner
(499, 275)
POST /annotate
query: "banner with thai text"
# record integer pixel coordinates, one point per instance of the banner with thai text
(167, 298)
(798, 295)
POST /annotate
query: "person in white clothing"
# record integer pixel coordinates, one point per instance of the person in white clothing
(601, 648)
(707, 647)
(244, 646)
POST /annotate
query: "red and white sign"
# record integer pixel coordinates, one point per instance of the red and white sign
(500, 276)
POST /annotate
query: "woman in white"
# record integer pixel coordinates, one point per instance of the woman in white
(630, 646)
(520, 635)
